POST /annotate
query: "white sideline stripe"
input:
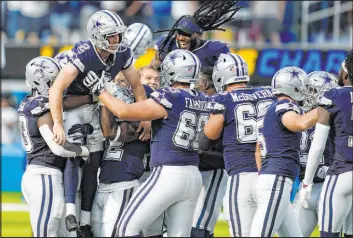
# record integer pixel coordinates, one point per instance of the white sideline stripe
(22, 207)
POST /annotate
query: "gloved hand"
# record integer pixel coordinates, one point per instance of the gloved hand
(305, 193)
(96, 136)
(80, 131)
(94, 83)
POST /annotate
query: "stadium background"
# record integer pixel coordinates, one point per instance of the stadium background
(314, 35)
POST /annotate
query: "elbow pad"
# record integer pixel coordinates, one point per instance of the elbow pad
(204, 142)
(316, 150)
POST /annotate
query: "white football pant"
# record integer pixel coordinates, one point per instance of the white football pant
(174, 189)
(210, 201)
(335, 208)
(272, 197)
(109, 203)
(239, 204)
(82, 115)
(308, 217)
(43, 190)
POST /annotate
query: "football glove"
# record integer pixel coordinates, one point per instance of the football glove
(305, 193)
(96, 136)
(94, 83)
(80, 131)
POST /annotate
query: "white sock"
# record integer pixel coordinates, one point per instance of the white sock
(85, 218)
(70, 209)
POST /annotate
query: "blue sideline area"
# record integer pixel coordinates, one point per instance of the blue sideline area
(13, 163)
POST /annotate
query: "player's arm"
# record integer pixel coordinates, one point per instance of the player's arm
(75, 101)
(214, 127)
(318, 145)
(135, 111)
(63, 80)
(133, 77)
(297, 123)
(121, 132)
(45, 125)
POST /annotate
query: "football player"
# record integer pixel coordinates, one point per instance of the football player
(42, 182)
(120, 168)
(103, 51)
(150, 76)
(189, 30)
(335, 122)
(214, 177)
(279, 139)
(235, 117)
(177, 113)
(318, 82)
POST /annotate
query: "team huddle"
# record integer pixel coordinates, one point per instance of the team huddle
(113, 151)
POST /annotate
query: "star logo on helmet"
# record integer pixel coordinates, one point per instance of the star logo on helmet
(97, 24)
(326, 78)
(173, 57)
(294, 73)
(40, 68)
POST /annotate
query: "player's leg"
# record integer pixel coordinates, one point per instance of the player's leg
(308, 217)
(90, 169)
(44, 193)
(155, 229)
(157, 194)
(97, 211)
(272, 197)
(115, 204)
(239, 205)
(290, 226)
(335, 203)
(209, 202)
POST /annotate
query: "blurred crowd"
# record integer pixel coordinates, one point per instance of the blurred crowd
(64, 22)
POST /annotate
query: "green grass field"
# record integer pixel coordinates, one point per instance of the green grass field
(16, 224)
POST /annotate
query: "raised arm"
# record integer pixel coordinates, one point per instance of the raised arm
(133, 77)
(63, 81)
(45, 125)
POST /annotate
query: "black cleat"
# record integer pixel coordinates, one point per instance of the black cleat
(86, 231)
(71, 223)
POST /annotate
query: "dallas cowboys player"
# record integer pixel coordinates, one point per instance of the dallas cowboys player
(214, 177)
(189, 30)
(234, 117)
(177, 113)
(318, 82)
(42, 182)
(104, 51)
(120, 169)
(335, 122)
(279, 140)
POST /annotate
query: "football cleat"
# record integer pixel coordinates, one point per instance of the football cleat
(71, 223)
(86, 231)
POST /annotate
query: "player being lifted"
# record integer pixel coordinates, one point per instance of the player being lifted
(42, 181)
(318, 81)
(234, 116)
(187, 32)
(214, 177)
(177, 112)
(103, 51)
(335, 122)
(279, 139)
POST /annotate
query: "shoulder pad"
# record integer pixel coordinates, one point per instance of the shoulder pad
(160, 97)
(39, 105)
(288, 106)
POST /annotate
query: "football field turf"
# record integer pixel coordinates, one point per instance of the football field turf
(16, 223)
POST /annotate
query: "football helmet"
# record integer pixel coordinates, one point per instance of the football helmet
(40, 73)
(180, 66)
(138, 37)
(124, 91)
(105, 23)
(229, 68)
(291, 82)
(317, 83)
